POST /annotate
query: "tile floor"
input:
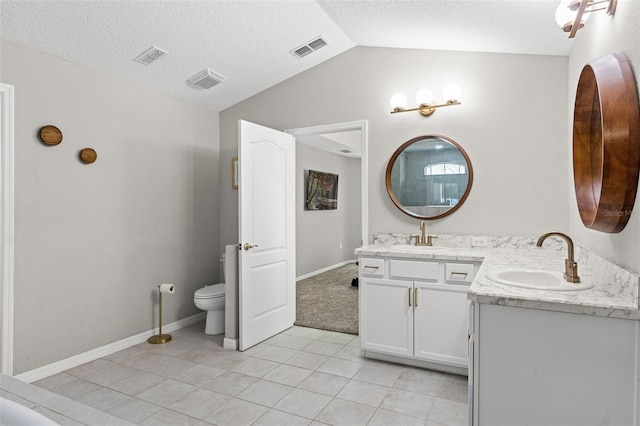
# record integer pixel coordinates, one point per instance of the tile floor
(302, 376)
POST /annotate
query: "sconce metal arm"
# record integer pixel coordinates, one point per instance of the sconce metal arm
(425, 109)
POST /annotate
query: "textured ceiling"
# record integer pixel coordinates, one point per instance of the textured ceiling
(249, 41)
(506, 26)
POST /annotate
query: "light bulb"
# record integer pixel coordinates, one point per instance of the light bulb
(398, 101)
(424, 97)
(452, 92)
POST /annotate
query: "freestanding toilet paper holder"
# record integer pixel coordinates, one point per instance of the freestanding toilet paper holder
(161, 338)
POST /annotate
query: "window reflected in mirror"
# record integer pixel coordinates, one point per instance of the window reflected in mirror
(429, 177)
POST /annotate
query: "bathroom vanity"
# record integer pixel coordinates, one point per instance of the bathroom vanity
(533, 356)
(553, 357)
(414, 306)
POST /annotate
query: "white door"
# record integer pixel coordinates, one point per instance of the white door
(267, 233)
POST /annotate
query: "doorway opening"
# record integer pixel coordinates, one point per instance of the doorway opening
(327, 238)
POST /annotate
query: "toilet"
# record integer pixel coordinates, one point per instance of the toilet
(212, 299)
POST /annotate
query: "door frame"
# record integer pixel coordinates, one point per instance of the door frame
(7, 181)
(363, 127)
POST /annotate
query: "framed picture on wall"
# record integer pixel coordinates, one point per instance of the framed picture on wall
(321, 190)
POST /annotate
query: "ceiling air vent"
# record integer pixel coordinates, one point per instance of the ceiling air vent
(206, 78)
(309, 47)
(318, 43)
(150, 55)
(303, 51)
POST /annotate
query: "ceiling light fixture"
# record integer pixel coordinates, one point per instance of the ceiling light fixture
(424, 98)
(572, 14)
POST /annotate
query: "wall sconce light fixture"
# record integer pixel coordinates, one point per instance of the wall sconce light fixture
(572, 14)
(424, 98)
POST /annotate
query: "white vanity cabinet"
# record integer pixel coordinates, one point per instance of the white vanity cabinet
(540, 367)
(415, 310)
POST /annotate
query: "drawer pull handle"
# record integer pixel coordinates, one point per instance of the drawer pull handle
(372, 267)
(409, 294)
(461, 275)
(415, 297)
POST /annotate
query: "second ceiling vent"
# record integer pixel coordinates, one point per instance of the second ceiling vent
(150, 55)
(309, 47)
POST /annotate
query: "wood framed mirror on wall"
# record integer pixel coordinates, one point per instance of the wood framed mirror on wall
(429, 177)
(606, 143)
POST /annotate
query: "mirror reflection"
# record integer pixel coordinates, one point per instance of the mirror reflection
(429, 177)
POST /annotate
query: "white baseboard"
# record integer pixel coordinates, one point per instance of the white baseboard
(230, 343)
(328, 268)
(76, 360)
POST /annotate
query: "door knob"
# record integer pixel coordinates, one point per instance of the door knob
(247, 246)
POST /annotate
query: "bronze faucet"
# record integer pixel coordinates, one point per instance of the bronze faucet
(423, 239)
(570, 265)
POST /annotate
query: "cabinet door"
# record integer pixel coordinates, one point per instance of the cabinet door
(386, 316)
(441, 324)
(554, 368)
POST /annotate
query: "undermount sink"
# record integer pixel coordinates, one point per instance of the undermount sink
(408, 248)
(538, 279)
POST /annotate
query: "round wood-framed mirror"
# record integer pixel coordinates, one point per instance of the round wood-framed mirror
(429, 177)
(606, 143)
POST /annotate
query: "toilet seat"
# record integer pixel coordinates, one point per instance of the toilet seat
(210, 292)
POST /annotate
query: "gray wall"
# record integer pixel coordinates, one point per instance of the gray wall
(319, 233)
(93, 242)
(512, 123)
(604, 34)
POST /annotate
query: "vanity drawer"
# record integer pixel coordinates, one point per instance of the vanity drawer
(459, 272)
(372, 267)
(414, 270)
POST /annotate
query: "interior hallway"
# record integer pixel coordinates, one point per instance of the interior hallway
(302, 376)
(328, 301)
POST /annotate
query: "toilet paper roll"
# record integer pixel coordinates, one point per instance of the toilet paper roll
(167, 288)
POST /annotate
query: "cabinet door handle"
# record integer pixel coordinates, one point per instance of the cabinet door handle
(415, 297)
(409, 294)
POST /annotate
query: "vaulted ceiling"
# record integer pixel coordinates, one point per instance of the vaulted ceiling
(249, 42)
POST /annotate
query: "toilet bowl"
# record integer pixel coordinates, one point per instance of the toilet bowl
(212, 299)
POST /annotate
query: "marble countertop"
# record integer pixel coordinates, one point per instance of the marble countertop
(614, 294)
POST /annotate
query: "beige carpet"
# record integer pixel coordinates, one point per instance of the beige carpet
(328, 301)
